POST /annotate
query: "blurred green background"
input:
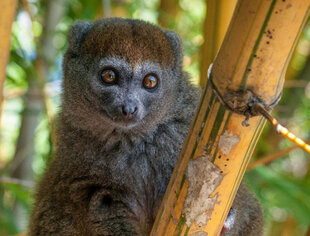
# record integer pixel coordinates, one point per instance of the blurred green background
(32, 98)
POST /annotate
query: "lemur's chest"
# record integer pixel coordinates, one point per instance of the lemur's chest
(136, 176)
(147, 164)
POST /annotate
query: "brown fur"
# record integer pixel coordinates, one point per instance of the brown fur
(135, 41)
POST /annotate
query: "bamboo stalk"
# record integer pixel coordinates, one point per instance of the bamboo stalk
(46, 53)
(290, 227)
(6, 19)
(308, 231)
(249, 69)
(21, 182)
(218, 15)
(168, 10)
(272, 157)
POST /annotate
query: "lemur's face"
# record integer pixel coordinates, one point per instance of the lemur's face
(129, 95)
(126, 73)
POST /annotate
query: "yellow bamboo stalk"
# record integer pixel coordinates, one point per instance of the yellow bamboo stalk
(6, 19)
(308, 231)
(218, 15)
(249, 68)
(168, 10)
(290, 227)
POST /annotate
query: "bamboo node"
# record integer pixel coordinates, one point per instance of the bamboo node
(242, 102)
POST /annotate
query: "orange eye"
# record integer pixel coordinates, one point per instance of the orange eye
(150, 81)
(108, 76)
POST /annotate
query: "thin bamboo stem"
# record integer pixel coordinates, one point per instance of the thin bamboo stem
(282, 130)
(272, 157)
(21, 182)
(45, 53)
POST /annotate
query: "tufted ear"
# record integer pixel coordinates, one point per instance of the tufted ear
(76, 35)
(176, 44)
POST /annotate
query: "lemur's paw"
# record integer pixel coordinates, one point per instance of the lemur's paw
(229, 222)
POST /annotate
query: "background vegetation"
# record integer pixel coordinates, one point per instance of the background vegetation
(32, 98)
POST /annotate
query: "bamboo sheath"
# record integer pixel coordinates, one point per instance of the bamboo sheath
(6, 19)
(249, 67)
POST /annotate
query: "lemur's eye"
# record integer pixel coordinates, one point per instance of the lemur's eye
(150, 81)
(108, 76)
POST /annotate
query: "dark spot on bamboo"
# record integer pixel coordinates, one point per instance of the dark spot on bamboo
(249, 69)
(255, 55)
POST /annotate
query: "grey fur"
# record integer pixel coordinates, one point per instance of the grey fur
(109, 175)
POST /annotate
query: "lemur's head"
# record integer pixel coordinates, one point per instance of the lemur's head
(123, 72)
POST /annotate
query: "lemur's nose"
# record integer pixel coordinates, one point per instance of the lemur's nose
(129, 110)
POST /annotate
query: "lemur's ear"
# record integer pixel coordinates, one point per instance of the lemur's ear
(76, 35)
(176, 44)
